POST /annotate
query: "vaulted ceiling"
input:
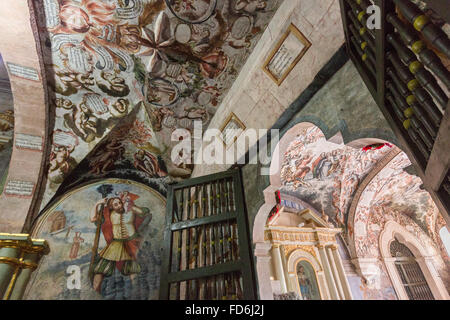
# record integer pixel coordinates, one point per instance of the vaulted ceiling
(175, 59)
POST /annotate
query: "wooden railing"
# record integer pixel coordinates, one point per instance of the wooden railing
(404, 64)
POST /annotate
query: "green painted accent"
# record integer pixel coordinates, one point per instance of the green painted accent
(6, 270)
(362, 31)
(413, 85)
(23, 277)
(408, 112)
(16, 236)
(410, 100)
(3, 180)
(363, 45)
(364, 57)
(420, 22)
(415, 66)
(417, 46)
(407, 124)
(361, 15)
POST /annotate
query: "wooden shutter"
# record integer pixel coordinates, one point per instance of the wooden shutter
(207, 253)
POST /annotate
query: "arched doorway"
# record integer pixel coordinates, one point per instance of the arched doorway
(319, 175)
(413, 280)
(412, 263)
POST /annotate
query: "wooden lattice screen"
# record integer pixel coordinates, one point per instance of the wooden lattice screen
(207, 253)
(405, 65)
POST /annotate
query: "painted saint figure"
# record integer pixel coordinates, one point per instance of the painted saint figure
(304, 283)
(121, 226)
(77, 241)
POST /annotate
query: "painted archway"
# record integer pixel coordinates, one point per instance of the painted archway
(25, 181)
(426, 256)
(296, 165)
(391, 196)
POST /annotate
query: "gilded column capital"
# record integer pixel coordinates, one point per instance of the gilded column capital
(334, 247)
(22, 253)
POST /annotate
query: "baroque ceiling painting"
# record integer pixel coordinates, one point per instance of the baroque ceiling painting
(130, 151)
(395, 195)
(117, 269)
(327, 176)
(104, 57)
(324, 174)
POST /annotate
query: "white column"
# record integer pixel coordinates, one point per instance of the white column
(276, 255)
(433, 278)
(263, 261)
(285, 268)
(292, 283)
(342, 275)
(335, 274)
(328, 276)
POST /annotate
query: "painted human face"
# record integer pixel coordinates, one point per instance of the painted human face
(75, 19)
(117, 205)
(261, 5)
(121, 105)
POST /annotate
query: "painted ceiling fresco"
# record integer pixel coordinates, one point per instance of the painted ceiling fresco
(393, 194)
(326, 175)
(178, 57)
(130, 151)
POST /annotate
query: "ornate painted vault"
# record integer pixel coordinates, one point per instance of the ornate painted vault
(173, 59)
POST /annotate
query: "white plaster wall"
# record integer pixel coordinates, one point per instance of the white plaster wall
(255, 98)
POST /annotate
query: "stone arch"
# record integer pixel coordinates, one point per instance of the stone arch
(362, 186)
(26, 179)
(298, 255)
(355, 139)
(338, 135)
